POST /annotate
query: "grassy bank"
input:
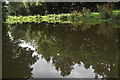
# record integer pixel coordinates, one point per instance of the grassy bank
(89, 18)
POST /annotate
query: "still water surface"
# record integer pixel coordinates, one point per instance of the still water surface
(60, 51)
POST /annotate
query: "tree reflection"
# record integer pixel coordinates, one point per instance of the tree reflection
(16, 60)
(107, 29)
(67, 46)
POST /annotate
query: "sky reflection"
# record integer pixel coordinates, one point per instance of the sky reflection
(44, 69)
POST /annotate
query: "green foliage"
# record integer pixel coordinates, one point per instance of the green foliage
(105, 10)
(74, 18)
(26, 8)
(84, 11)
(4, 11)
(87, 40)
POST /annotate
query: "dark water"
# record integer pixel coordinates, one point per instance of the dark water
(60, 51)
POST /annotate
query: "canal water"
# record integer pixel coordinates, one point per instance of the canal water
(48, 50)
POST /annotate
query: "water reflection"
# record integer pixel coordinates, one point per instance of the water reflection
(47, 70)
(66, 46)
(16, 60)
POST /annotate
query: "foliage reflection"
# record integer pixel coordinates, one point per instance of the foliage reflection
(16, 60)
(96, 46)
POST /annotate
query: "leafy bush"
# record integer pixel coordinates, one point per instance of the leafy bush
(105, 10)
(84, 11)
